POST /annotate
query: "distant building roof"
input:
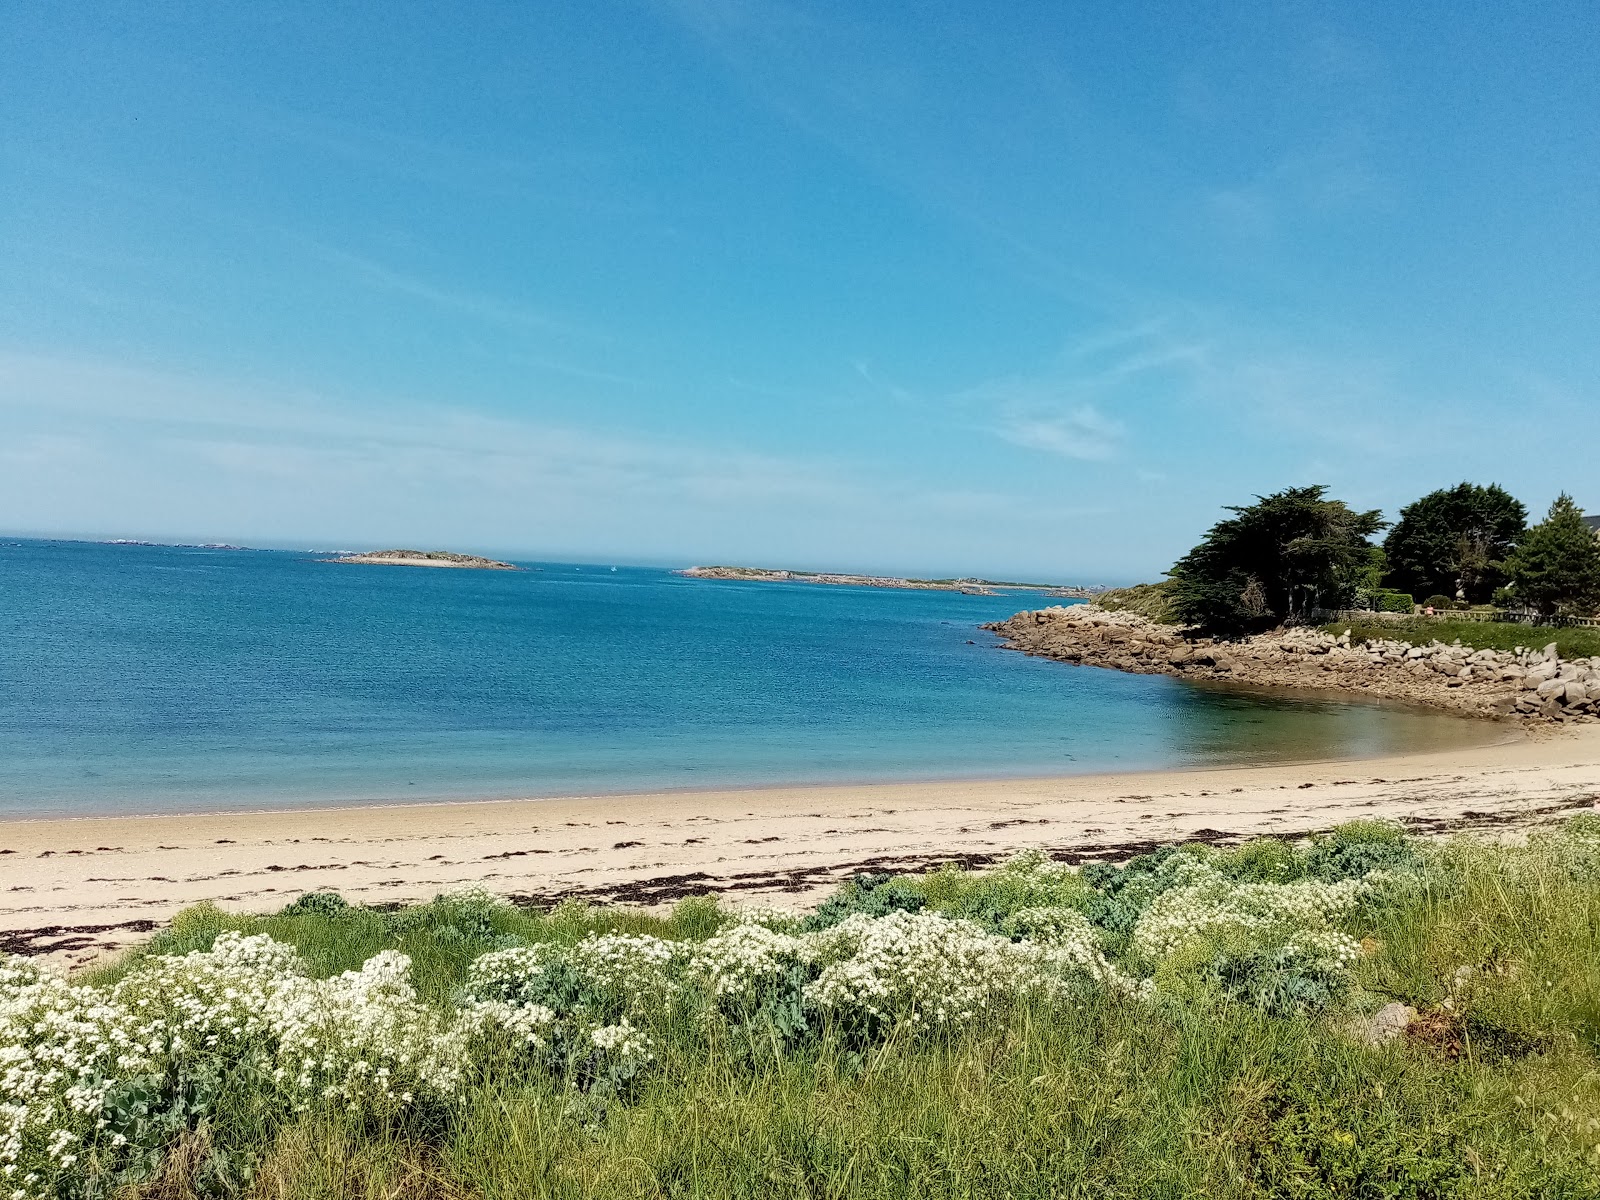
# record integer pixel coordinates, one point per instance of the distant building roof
(1593, 523)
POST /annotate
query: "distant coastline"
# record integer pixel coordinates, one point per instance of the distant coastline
(971, 587)
(423, 558)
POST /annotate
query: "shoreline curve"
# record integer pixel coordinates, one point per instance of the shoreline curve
(81, 887)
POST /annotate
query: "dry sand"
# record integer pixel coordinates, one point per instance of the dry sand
(80, 887)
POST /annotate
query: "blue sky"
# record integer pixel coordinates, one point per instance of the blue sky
(1026, 289)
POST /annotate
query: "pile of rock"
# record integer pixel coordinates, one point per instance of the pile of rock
(1524, 682)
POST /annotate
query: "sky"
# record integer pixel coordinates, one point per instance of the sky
(1021, 290)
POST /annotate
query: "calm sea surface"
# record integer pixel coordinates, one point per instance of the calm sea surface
(146, 679)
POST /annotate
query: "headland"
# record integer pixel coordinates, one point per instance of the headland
(1530, 683)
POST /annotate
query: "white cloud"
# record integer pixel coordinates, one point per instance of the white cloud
(1082, 433)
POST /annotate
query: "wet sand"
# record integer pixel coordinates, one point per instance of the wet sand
(79, 888)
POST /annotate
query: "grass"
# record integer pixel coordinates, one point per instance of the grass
(1480, 635)
(1152, 601)
(1100, 1095)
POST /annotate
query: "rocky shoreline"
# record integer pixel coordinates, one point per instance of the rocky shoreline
(971, 587)
(1535, 684)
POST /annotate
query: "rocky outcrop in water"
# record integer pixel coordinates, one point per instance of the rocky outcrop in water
(424, 558)
(1531, 683)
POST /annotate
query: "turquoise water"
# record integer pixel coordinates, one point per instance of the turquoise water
(146, 679)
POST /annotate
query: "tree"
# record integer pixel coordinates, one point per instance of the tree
(1453, 541)
(1556, 569)
(1275, 561)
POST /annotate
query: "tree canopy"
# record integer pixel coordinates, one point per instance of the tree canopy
(1274, 561)
(1454, 541)
(1556, 569)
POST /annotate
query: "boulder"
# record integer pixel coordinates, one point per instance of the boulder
(1551, 689)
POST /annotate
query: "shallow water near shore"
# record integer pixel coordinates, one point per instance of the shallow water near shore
(160, 679)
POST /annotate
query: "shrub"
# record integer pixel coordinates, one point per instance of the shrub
(1384, 600)
(316, 904)
(1358, 848)
(873, 895)
(1121, 895)
(990, 898)
(1396, 602)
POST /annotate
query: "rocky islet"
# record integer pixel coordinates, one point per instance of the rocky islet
(1529, 683)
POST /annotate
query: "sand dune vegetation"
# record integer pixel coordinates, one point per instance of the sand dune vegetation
(1358, 1014)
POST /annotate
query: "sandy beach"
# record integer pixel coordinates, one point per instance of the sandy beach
(78, 888)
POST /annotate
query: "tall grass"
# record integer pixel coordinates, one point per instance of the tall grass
(1494, 1091)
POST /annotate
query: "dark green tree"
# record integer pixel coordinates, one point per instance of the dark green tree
(1556, 569)
(1454, 541)
(1278, 560)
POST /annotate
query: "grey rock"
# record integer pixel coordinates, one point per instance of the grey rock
(1388, 1023)
(1551, 689)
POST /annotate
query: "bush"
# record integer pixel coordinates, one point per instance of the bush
(316, 904)
(1439, 602)
(1396, 602)
(991, 898)
(1384, 600)
(874, 895)
(1357, 849)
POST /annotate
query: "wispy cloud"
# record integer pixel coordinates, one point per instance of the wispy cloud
(1083, 433)
(162, 451)
(1080, 404)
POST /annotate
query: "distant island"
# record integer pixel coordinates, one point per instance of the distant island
(424, 558)
(971, 587)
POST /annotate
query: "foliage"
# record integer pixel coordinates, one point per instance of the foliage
(1275, 561)
(1384, 600)
(871, 894)
(1454, 541)
(1570, 642)
(1357, 849)
(993, 898)
(1153, 601)
(319, 904)
(1556, 569)
(1024, 1049)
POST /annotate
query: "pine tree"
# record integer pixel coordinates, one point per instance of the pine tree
(1556, 569)
(1278, 560)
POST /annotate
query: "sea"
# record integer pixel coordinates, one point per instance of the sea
(146, 679)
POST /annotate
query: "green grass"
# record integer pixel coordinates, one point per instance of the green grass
(1150, 600)
(1480, 635)
(1192, 1094)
